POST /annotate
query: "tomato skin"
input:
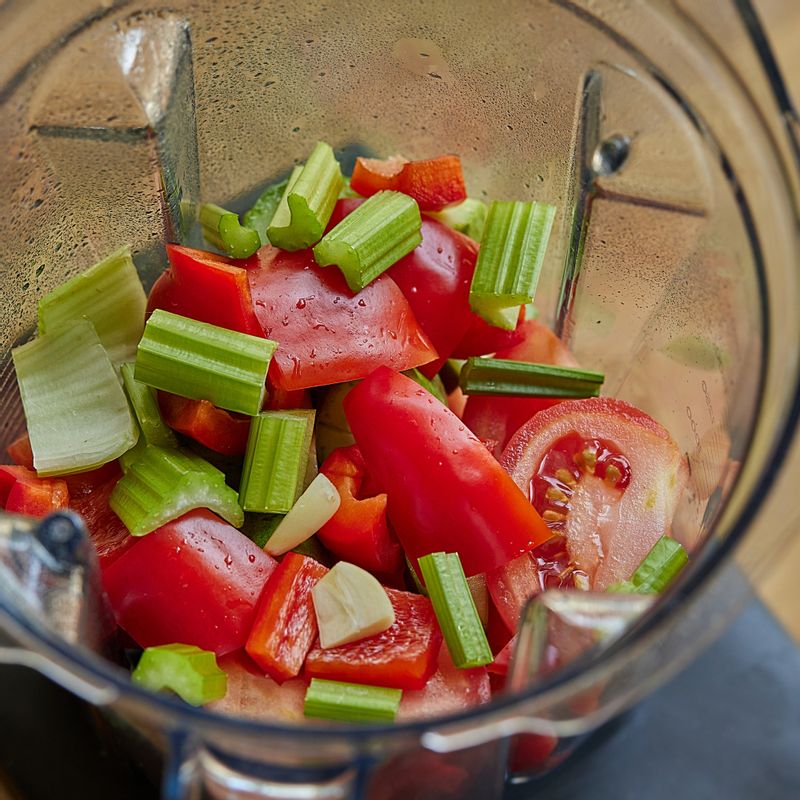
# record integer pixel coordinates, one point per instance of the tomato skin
(499, 418)
(445, 490)
(285, 623)
(326, 333)
(359, 531)
(22, 491)
(219, 430)
(107, 531)
(195, 580)
(206, 287)
(481, 338)
(402, 657)
(634, 518)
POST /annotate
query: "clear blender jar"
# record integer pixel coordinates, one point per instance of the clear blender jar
(663, 134)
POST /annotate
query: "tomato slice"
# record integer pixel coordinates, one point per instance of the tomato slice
(403, 656)
(107, 531)
(498, 418)
(195, 580)
(606, 476)
(327, 334)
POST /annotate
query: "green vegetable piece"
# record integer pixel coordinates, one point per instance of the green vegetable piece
(145, 407)
(263, 210)
(204, 362)
(468, 217)
(656, 572)
(382, 230)
(77, 414)
(307, 204)
(501, 376)
(110, 296)
(435, 386)
(510, 259)
(260, 527)
(351, 702)
(187, 670)
(332, 429)
(163, 484)
(455, 609)
(275, 461)
(221, 228)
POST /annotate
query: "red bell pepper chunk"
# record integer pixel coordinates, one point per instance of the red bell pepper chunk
(195, 580)
(20, 451)
(206, 287)
(446, 491)
(282, 400)
(481, 338)
(219, 430)
(499, 418)
(22, 491)
(359, 531)
(402, 657)
(326, 333)
(107, 531)
(285, 624)
(371, 175)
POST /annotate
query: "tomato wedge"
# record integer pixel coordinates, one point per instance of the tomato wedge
(326, 334)
(604, 475)
(499, 418)
(403, 656)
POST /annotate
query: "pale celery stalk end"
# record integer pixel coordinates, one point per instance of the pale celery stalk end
(145, 407)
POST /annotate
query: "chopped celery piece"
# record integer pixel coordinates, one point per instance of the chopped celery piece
(134, 454)
(222, 229)
(522, 379)
(331, 429)
(163, 484)
(260, 527)
(468, 217)
(346, 190)
(510, 260)
(435, 386)
(187, 670)
(204, 362)
(110, 296)
(455, 609)
(376, 235)
(145, 406)
(307, 205)
(656, 572)
(450, 372)
(420, 586)
(78, 416)
(275, 460)
(351, 702)
(260, 215)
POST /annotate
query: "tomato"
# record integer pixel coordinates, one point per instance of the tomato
(206, 287)
(326, 334)
(285, 625)
(496, 417)
(530, 751)
(606, 476)
(447, 691)
(403, 656)
(221, 431)
(359, 531)
(503, 659)
(22, 491)
(445, 490)
(195, 580)
(435, 278)
(107, 531)
(481, 338)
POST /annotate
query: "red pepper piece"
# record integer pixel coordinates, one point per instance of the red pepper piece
(282, 400)
(195, 580)
(22, 491)
(20, 451)
(371, 175)
(219, 430)
(446, 492)
(286, 625)
(482, 338)
(403, 656)
(206, 287)
(107, 531)
(358, 532)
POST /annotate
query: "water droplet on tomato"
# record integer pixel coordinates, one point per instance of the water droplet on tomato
(252, 559)
(228, 561)
(362, 303)
(301, 303)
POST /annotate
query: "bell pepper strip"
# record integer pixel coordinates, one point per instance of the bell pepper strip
(222, 431)
(107, 531)
(22, 491)
(285, 625)
(434, 183)
(206, 287)
(359, 531)
(445, 490)
(402, 657)
(327, 334)
(196, 580)
(499, 418)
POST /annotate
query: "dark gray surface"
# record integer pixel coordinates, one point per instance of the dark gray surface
(728, 727)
